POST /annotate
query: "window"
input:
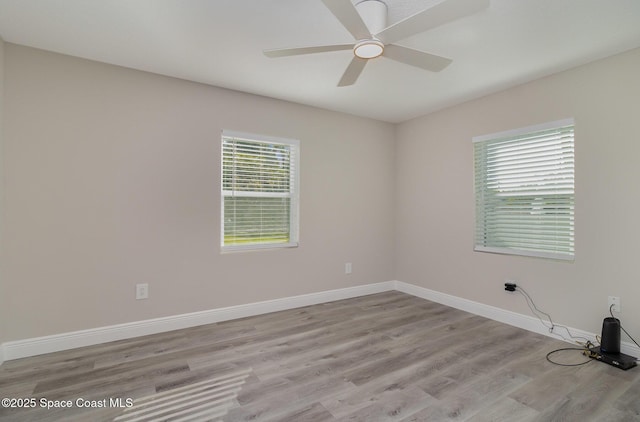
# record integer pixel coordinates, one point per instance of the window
(524, 188)
(259, 191)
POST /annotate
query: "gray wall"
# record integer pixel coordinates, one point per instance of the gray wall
(112, 179)
(435, 212)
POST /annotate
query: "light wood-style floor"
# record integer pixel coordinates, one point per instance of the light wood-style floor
(383, 357)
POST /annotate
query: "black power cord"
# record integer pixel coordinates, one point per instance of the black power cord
(584, 350)
(511, 287)
(585, 346)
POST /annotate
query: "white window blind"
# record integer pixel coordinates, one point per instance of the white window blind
(259, 191)
(524, 188)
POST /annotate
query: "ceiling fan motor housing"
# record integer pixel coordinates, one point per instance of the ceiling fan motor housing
(374, 14)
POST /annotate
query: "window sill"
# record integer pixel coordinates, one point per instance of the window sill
(259, 247)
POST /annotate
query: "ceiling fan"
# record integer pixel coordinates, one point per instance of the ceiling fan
(367, 21)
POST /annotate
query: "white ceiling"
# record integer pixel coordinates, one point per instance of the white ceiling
(220, 42)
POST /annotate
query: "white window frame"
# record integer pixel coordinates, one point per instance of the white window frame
(293, 194)
(484, 209)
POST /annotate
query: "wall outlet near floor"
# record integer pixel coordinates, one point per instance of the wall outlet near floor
(615, 301)
(142, 291)
(347, 268)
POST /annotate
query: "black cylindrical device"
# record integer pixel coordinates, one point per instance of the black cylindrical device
(610, 340)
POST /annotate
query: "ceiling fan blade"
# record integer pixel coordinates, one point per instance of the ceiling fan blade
(354, 70)
(284, 52)
(441, 12)
(416, 58)
(349, 17)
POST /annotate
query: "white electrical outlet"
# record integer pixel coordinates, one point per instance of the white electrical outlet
(615, 301)
(142, 291)
(347, 268)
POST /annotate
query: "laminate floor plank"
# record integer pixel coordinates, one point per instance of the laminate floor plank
(393, 407)
(412, 350)
(588, 401)
(329, 334)
(379, 391)
(546, 390)
(292, 396)
(610, 414)
(505, 410)
(629, 401)
(311, 413)
(381, 357)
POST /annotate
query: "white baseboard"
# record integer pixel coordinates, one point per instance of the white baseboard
(508, 317)
(65, 341)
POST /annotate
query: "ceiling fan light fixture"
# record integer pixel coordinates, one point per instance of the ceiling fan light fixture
(368, 49)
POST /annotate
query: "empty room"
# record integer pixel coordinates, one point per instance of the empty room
(319, 210)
